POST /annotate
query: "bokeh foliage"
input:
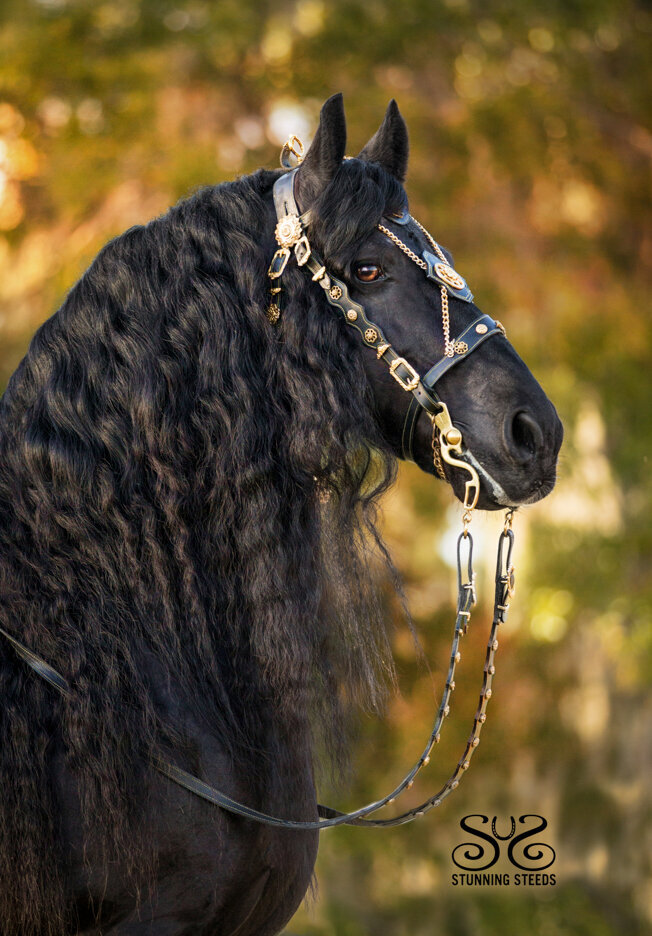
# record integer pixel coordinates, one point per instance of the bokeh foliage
(531, 147)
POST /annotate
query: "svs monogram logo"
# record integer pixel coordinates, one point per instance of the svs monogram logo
(531, 857)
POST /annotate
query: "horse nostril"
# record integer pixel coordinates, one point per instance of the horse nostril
(523, 436)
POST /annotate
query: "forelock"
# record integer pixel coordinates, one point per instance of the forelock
(350, 207)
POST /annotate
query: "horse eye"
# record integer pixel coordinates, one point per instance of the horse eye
(368, 272)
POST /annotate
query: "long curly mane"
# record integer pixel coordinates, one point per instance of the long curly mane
(182, 483)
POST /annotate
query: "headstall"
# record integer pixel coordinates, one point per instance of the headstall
(291, 237)
(447, 446)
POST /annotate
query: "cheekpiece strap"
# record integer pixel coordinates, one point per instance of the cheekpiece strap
(337, 295)
(284, 200)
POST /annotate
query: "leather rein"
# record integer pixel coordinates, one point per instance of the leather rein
(447, 446)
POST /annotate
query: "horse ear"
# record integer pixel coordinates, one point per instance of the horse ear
(389, 145)
(325, 154)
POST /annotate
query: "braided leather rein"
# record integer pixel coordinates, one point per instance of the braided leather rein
(504, 582)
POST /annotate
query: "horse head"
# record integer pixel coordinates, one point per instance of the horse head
(400, 292)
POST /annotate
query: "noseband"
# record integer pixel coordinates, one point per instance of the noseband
(447, 439)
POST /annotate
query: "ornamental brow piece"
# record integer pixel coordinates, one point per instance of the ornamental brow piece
(192, 453)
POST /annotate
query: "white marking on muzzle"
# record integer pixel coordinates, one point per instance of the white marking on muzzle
(497, 491)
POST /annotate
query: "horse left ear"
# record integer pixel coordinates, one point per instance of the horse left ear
(389, 145)
(325, 154)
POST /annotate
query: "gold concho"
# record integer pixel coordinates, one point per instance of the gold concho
(273, 313)
(481, 329)
(352, 315)
(288, 231)
(335, 292)
(446, 272)
(371, 334)
(461, 347)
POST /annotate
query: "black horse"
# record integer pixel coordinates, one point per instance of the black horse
(187, 497)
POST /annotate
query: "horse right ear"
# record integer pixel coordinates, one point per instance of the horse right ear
(325, 154)
(389, 145)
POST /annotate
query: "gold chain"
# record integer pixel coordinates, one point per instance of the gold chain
(432, 240)
(509, 519)
(404, 247)
(449, 348)
(436, 452)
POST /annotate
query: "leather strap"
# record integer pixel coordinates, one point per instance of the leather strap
(44, 670)
(284, 200)
(329, 817)
(472, 338)
(435, 265)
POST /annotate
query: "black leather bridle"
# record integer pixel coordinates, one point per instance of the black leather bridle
(291, 234)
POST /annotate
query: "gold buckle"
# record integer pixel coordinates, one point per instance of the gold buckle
(302, 251)
(410, 384)
(279, 263)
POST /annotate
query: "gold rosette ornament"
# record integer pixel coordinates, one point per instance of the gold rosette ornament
(288, 231)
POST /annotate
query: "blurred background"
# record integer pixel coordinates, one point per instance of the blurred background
(531, 149)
